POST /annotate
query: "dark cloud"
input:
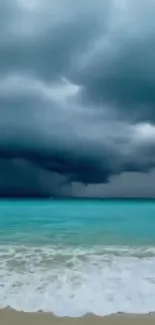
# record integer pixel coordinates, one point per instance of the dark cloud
(77, 85)
(21, 178)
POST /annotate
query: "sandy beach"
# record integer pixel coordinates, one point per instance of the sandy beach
(10, 317)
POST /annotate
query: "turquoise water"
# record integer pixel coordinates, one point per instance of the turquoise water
(77, 222)
(78, 256)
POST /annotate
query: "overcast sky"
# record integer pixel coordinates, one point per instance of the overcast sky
(77, 98)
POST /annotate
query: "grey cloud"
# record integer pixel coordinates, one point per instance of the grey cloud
(50, 53)
(128, 184)
(75, 82)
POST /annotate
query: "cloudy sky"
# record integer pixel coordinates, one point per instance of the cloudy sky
(77, 98)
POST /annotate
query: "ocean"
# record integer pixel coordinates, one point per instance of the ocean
(73, 257)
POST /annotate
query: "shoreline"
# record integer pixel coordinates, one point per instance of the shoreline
(12, 317)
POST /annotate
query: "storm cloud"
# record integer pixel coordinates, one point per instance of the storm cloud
(77, 97)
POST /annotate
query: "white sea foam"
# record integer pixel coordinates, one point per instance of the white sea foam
(73, 282)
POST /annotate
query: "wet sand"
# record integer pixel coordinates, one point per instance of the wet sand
(10, 317)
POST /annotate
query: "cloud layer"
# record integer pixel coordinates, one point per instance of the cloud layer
(77, 95)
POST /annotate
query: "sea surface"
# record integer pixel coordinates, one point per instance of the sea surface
(73, 257)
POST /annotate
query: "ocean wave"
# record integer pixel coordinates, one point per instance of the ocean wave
(73, 282)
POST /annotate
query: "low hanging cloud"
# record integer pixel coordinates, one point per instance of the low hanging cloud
(77, 85)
